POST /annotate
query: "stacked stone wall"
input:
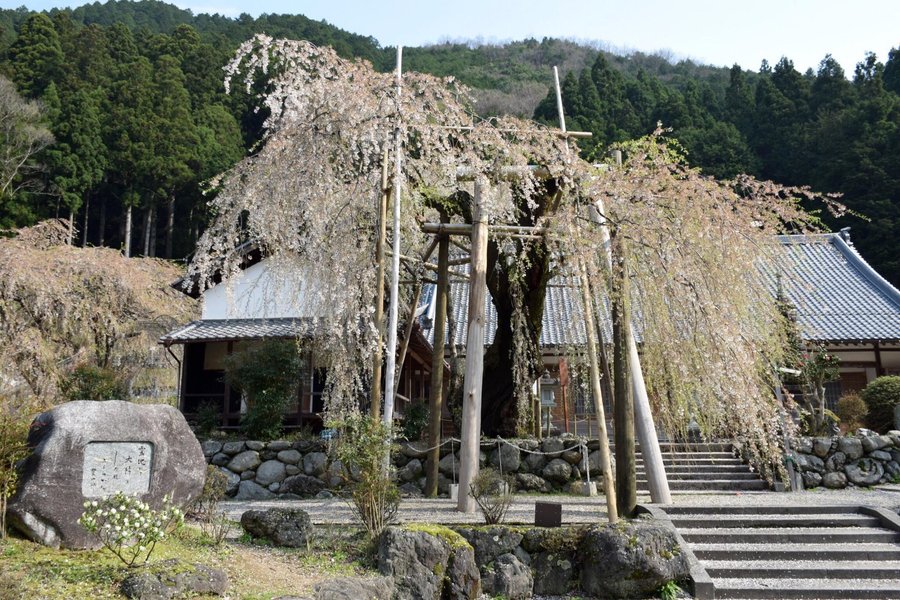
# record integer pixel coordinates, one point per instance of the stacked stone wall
(863, 460)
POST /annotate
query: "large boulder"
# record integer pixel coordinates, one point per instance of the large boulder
(174, 578)
(271, 471)
(355, 588)
(490, 542)
(557, 471)
(303, 486)
(282, 526)
(508, 577)
(554, 573)
(630, 559)
(250, 490)
(864, 472)
(428, 564)
(851, 447)
(247, 460)
(506, 458)
(88, 450)
(315, 463)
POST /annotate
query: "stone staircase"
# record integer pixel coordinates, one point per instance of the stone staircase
(822, 552)
(703, 467)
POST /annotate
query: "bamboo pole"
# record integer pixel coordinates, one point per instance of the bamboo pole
(437, 369)
(471, 420)
(378, 357)
(391, 367)
(609, 489)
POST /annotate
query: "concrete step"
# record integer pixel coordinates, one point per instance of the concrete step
(703, 475)
(803, 569)
(723, 484)
(691, 468)
(823, 521)
(844, 551)
(807, 588)
(696, 461)
(798, 535)
(761, 510)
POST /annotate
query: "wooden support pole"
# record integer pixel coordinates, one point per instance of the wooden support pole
(378, 357)
(391, 367)
(471, 419)
(609, 489)
(436, 401)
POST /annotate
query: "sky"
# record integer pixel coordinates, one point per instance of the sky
(717, 32)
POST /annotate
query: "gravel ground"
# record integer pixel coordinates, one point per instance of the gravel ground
(576, 509)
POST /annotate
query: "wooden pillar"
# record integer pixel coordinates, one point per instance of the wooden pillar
(436, 401)
(471, 419)
(590, 329)
(378, 357)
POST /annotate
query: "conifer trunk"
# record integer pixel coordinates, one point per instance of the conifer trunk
(148, 217)
(84, 226)
(128, 225)
(170, 225)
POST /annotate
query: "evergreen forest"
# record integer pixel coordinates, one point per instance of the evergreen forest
(115, 115)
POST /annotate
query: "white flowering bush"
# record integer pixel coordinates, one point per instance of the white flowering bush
(128, 527)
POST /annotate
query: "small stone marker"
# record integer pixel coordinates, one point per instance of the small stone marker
(547, 514)
(89, 450)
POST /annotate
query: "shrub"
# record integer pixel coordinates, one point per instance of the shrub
(493, 494)
(881, 396)
(90, 382)
(852, 410)
(213, 522)
(208, 419)
(128, 527)
(13, 448)
(268, 375)
(415, 419)
(363, 450)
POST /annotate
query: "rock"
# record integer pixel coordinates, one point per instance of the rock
(894, 436)
(414, 449)
(506, 458)
(892, 469)
(573, 457)
(554, 573)
(411, 471)
(822, 446)
(522, 555)
(410, 490)
(174, 578)
(804, 445)
(851, 447)
(249, 490)
(335, 475)
(491, 542)
(289, 456)
(449, 465)
(323, 495)
(315, 463)
(278, 445)
(425, 566)
(895, 456)
(267, 454)
(274, 487)
(630, 560)
(291, 470)
(355, 588)
(220, 460)
(594, 462)
(509, 578)
(302, 485)
(245, 461)
(836, 462)
(232, 448)
(808, 462)
(834, 481)
(864, 472)
(77, 449)
(271, 471)
(211, 447)
(288, 527)
(552, 446)
(875, 442)
(557, 471)
(254, 445)
(532, 483)
(535, 462)
(248, 475)
(232, 483)
(880, 455)
(811, 479)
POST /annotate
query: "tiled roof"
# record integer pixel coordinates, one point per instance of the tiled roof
(838, 296)
(218, 330)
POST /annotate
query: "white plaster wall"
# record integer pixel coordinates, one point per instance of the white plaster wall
(258, 292)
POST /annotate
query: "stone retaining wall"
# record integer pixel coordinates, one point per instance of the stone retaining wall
(864, 459)
(264, 470)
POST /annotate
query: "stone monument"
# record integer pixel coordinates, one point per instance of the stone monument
(89, 450)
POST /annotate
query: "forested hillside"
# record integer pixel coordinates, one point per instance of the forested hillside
(132, 95)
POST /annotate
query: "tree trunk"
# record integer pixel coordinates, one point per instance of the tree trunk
(378, 355)
(71, 239)
(102, 225)
(84, 225)
(437, 368)
(626, 481)
(148, 218)
(128, 217)
(170, 225)
(154, 237)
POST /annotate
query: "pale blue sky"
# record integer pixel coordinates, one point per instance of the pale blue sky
(719, 32)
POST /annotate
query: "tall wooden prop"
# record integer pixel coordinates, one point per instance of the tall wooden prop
(391, 367)
(378, 357)
(609, 489)
(471, 420)
(436, 400)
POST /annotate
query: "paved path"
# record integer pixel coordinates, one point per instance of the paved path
(576, 509)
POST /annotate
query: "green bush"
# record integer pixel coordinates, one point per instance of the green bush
(493, 494)
(881, 396)
(415, 419)
(208, 419)
(90, 382)
(852, 410)
(13, 448)
(268, 375)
